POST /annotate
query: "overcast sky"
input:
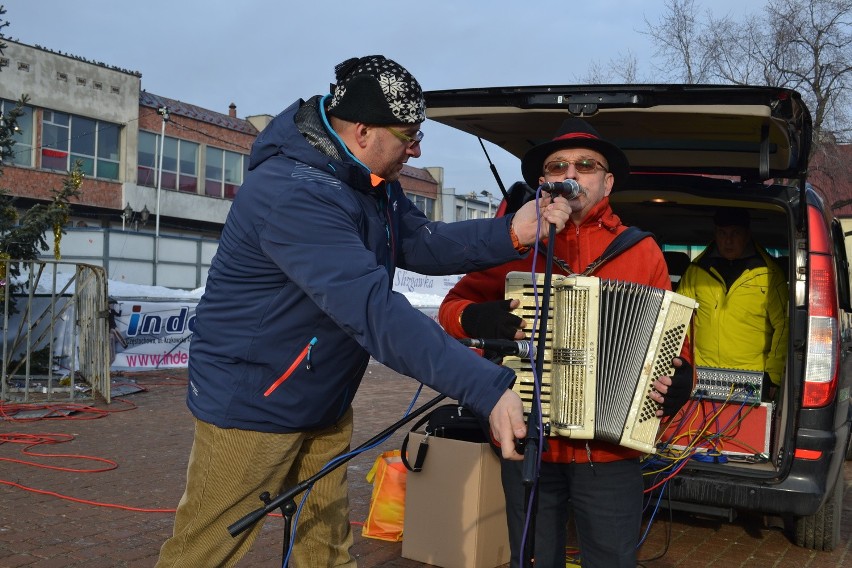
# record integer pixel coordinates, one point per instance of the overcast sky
(264, 54)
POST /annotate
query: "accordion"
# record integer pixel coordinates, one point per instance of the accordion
(607, 342)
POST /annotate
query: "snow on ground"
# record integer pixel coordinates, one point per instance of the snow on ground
(124, 290)
(423, 300)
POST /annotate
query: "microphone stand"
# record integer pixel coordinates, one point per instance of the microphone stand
(531, 463)
(286, 502)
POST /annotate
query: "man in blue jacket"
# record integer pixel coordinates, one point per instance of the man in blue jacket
(298, 298)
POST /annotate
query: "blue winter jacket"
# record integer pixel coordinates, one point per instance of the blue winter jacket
(299, 293)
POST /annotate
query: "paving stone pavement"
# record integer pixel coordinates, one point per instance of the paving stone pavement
(120, 517)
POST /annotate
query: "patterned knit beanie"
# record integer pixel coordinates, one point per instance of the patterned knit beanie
(376, 90)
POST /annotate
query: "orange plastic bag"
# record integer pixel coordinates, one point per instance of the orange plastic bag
(387, 504)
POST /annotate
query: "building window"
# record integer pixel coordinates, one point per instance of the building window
(83, 144)
(188, 166)
(107, 157)
(213, 172)
(425, 204)
(147, 159)
(224, 172)
(54, 140)
(180, 163)
(67, 138)
(22, 151)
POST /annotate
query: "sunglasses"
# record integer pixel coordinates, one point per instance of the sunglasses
(412, 141)
(583, 166)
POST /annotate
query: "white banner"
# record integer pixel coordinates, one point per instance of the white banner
(432, 288)
(157, 333)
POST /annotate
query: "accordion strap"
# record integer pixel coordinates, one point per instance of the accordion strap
(619, 244)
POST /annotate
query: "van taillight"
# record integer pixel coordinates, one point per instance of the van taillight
(823, 347)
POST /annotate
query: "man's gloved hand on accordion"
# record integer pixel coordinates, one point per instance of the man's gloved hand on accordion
(492, 320)
(674, 391)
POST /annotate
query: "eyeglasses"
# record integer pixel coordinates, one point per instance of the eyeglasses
(583, 166)
(412, 141)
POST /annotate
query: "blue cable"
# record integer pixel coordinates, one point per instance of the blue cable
(536, 378)
(330, 465)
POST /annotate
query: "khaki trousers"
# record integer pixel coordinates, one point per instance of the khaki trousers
(228, 470)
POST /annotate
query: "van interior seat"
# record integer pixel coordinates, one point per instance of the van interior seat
(784, 262)
(677, 262)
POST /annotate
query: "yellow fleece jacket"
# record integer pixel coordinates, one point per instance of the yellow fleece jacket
(744, 327)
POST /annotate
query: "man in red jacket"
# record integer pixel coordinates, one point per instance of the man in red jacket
(602, 482)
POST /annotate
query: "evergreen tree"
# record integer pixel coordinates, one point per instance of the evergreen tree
(22, 236)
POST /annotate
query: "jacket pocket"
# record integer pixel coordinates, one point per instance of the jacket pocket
(304, 355)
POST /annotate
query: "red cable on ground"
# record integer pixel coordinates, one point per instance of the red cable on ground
(8, 411)
(58, 412)
(33, 440)
(85, 501)
(101, 504)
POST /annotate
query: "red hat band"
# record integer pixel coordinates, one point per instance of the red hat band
(571, 135)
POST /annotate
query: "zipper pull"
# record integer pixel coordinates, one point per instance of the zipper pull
(308, 358)
(306, 353)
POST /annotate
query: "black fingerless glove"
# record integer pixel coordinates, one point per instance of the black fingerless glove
(490, 320)
(680, 389)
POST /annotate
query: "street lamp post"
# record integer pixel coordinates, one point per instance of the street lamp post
(164, 112)
(126, 215)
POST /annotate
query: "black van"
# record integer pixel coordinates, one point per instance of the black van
(694, 149)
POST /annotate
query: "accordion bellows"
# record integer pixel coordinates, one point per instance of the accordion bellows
(607, 342)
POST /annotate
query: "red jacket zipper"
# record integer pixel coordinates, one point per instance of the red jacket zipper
(306, 352)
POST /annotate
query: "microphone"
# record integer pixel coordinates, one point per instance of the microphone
(503, 346)
(569, 189)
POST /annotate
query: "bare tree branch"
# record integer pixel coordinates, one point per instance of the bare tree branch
(801, 44)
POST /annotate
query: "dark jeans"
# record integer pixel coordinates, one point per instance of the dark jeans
(606, 499)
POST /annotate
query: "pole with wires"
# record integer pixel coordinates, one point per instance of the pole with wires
(536, 430)
(164, 112)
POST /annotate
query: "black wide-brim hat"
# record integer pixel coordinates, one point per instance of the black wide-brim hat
(575, 133)
(732, 217)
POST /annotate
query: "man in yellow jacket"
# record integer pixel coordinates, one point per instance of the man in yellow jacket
(742, 296)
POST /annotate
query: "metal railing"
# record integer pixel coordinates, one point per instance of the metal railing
(55, 331)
